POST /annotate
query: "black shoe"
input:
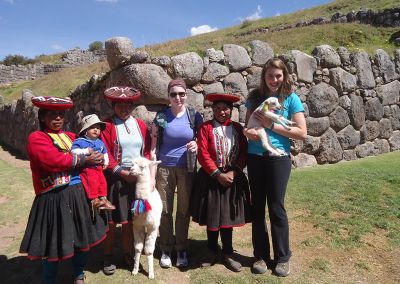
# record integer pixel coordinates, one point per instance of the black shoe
(108, 267)
(232, 264)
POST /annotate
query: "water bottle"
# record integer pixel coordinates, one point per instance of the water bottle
(191, 161)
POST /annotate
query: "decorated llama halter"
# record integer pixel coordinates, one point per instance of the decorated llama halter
(140, 206)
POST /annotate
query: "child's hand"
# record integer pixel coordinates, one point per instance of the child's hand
(105, 166)
(90, 150)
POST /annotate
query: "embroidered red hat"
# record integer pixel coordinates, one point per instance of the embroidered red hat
(52, 103)
(122, 94)
(226, 97)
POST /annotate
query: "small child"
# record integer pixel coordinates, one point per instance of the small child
(92, 177)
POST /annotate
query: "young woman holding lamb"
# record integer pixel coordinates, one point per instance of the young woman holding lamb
(221, 196)
(126, 138)
(269, 174)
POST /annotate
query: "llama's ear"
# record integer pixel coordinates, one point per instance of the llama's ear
(154, 162)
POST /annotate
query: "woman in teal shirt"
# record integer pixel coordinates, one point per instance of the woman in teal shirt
(269, 175)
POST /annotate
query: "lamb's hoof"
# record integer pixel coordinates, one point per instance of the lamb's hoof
(135, 271)
(151, 275)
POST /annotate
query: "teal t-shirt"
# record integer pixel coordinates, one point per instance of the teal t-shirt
(291, 105)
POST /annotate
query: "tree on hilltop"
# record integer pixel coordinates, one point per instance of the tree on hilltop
(96, 45)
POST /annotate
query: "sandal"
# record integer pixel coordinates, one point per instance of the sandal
(108, 267)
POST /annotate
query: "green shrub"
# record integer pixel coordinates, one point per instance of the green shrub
(96, 45)
(17, 60)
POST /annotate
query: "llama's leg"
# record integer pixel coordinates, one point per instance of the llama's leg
(149, 248)
(139, 236)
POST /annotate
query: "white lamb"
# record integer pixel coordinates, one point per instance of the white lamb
(147, 213)
(268, 107)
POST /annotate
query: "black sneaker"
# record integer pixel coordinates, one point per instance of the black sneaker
(259, 266)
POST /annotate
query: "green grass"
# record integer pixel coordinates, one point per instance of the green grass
(347, 201)
(350, 200)
(297, 38)
(57, 84)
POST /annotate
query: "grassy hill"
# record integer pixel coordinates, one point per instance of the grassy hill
(353, 36)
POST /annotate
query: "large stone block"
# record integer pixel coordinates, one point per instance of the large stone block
(316, 126)
(150, 79)
(236, 57)
(348, 137)
(303, 160)
(235, 83)
(362, 64)
(330, 150)
(328, 57)
(306, 65)
(119, 51)
(188, 66)
(394, 141)
(342, 80)
(356, 111)
(322, 100)
(369, 131)
(261, 52)
(386, 68)
(365, 150)
(389, 93)
(339, 119)
(214, 72)
(373, 109)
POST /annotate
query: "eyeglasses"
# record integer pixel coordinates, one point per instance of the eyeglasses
(174, 94)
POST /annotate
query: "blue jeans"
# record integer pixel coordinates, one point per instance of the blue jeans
(50, 268)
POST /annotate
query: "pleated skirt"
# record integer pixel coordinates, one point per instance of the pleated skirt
(218, 207)
(61, 223)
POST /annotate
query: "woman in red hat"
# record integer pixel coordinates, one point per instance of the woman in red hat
(60, 224)
(221, 196)
(126, 138)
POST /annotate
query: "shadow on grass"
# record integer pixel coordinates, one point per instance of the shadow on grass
(22, 270)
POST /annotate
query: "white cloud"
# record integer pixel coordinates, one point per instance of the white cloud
(255, 16)
(57, 47)
(277, 14)
(202, 30)
(107, 1)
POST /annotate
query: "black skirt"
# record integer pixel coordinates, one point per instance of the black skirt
(218, 207)
(121, 194)
(60, 223)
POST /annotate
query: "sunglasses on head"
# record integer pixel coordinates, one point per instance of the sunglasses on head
(174, 94)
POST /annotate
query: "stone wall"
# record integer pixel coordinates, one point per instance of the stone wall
(71, 58)
(385, 18)
(351, 99)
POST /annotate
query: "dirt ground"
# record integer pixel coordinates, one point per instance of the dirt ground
(313, 261)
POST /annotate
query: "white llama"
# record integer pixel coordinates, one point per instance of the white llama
(147, 209)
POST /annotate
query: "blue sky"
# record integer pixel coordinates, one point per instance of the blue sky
(34, 27)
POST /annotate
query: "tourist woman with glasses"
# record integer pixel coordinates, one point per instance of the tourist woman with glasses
(173, 133)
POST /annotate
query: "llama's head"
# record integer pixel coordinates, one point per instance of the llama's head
(141, 166)
(273, 103)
